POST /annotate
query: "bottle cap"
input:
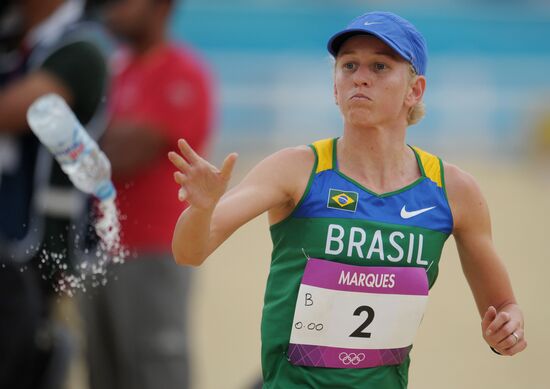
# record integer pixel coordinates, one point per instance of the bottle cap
(105, 191)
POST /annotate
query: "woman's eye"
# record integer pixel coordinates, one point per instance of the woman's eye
(349, 66)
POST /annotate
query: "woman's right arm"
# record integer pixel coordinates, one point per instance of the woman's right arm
(213, 215)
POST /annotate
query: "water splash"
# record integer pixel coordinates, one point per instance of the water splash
(93, 271)
(107, 227)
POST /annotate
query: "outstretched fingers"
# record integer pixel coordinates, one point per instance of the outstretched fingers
(182, 194)
(187, 151)
(178, 161)
(179, 178)
(228, 165)
(201, 183)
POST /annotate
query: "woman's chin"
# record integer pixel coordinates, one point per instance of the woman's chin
(360, 118)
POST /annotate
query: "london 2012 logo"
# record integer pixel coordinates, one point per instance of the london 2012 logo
(351, 358)
(344, 200)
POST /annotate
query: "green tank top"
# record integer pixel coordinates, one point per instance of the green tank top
(343, 223)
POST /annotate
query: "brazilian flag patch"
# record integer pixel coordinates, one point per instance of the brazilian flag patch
(341, 199)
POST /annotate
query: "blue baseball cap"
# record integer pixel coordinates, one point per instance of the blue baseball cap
(391, 29)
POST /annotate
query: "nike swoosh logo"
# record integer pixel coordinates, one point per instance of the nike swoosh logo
(408, 214)
(371, 23)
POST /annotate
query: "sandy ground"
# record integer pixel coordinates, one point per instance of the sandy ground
(449, 351)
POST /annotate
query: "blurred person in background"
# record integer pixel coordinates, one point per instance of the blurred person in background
(136, 326)
(46, 46)
(354, 220)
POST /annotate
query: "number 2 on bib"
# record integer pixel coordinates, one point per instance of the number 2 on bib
(358, 333)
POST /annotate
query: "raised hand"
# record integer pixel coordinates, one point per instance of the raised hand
(202, 184)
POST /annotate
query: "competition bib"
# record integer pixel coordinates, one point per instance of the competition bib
(356, 316)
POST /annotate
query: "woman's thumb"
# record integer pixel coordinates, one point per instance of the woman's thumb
(228, 165)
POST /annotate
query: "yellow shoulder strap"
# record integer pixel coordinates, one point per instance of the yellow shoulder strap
(323, 148)
(431, 165)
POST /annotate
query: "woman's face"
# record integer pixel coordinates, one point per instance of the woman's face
(372, 83)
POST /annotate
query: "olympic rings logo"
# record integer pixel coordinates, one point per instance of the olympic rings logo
(351, 358)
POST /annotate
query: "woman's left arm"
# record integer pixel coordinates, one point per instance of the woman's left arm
(502, 320)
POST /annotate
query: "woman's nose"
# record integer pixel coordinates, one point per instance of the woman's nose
(362, 76)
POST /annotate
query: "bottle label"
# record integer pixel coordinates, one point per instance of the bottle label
(73, 151)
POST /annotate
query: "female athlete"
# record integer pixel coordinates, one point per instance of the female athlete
(358, 224)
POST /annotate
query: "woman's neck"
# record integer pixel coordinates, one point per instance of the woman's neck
(377, 158)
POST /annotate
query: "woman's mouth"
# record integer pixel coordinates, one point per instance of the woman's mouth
(360, 96)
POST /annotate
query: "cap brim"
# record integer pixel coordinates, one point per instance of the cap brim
(336, 41)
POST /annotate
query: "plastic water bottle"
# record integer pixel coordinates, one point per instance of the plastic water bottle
(57, 127)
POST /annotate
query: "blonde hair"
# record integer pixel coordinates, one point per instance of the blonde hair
(417, 112)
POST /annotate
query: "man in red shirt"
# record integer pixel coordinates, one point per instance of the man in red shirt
(160, 92)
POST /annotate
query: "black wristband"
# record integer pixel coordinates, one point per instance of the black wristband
(495, 351)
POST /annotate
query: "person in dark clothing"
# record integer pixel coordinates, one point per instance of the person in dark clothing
(47, 46)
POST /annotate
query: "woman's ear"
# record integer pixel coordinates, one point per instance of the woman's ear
(416, 91)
